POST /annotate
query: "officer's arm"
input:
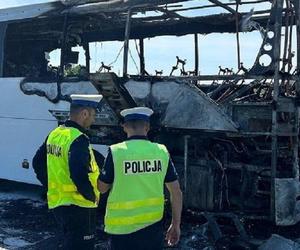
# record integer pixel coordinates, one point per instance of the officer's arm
(39, 164)
(173, 233)
(99, 158)
(79, 165)
(172, 184)
(107, 174)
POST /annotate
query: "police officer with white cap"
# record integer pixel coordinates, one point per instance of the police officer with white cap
(66, 165)
(135, 172)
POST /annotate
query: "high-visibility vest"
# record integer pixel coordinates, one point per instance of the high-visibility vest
(136, 199)
(61, 189)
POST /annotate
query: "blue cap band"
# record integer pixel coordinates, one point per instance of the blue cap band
(136, 117)
(85, 103)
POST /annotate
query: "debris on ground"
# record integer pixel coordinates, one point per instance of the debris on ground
(277, 242)
(27, 224)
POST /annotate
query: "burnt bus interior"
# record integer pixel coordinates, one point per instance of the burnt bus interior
(234, 138)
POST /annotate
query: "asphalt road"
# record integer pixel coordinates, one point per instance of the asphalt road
(26, 223)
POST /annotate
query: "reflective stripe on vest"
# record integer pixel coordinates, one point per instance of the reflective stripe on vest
(145, 218)
(136, 199)
(135, 204)
(61, 189)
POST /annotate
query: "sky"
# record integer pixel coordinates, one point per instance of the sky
(160, 53)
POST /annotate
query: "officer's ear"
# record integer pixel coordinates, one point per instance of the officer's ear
(123, 125)
(85, 113)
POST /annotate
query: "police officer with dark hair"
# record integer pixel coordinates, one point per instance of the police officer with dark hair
(65, 164)
(135, 172)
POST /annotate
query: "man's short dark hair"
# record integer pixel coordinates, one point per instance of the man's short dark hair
(136, 124)
(76, 109)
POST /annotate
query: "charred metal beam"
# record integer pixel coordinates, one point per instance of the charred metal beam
(142, 57)
(214, 5)
(113, 30)
(297, 10)
(224, 6)
(275, 19)
(77, 2)
(171, 14)
(63, 48)
(117, 6)
(186, 163)
(126, 43)
(86, 48)
(144, 29)
(196, 54)
(239, 92)
(237, 35)
(295, 147)
(278, 6)
(3, 27)
(212, 77)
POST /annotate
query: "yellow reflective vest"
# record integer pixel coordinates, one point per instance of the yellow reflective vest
(136, 199)
(61, 189)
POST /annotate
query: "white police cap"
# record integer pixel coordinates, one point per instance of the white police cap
(86, 100)
(137, 113)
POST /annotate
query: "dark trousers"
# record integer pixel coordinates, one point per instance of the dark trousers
(149, 238)
(78, 226)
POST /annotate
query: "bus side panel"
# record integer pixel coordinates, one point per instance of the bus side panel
(19, 140)
(25, 122)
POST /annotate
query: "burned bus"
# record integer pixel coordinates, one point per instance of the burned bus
(233, 135)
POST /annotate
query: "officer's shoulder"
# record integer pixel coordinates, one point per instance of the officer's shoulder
(82, 139)
(52, 133)
(54, 130)
(84, 136)
(118, 145)
(160, 146)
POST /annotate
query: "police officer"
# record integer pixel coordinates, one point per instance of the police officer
(65, 164)
(135, 172)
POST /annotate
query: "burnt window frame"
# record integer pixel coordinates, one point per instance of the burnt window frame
(3, 28)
